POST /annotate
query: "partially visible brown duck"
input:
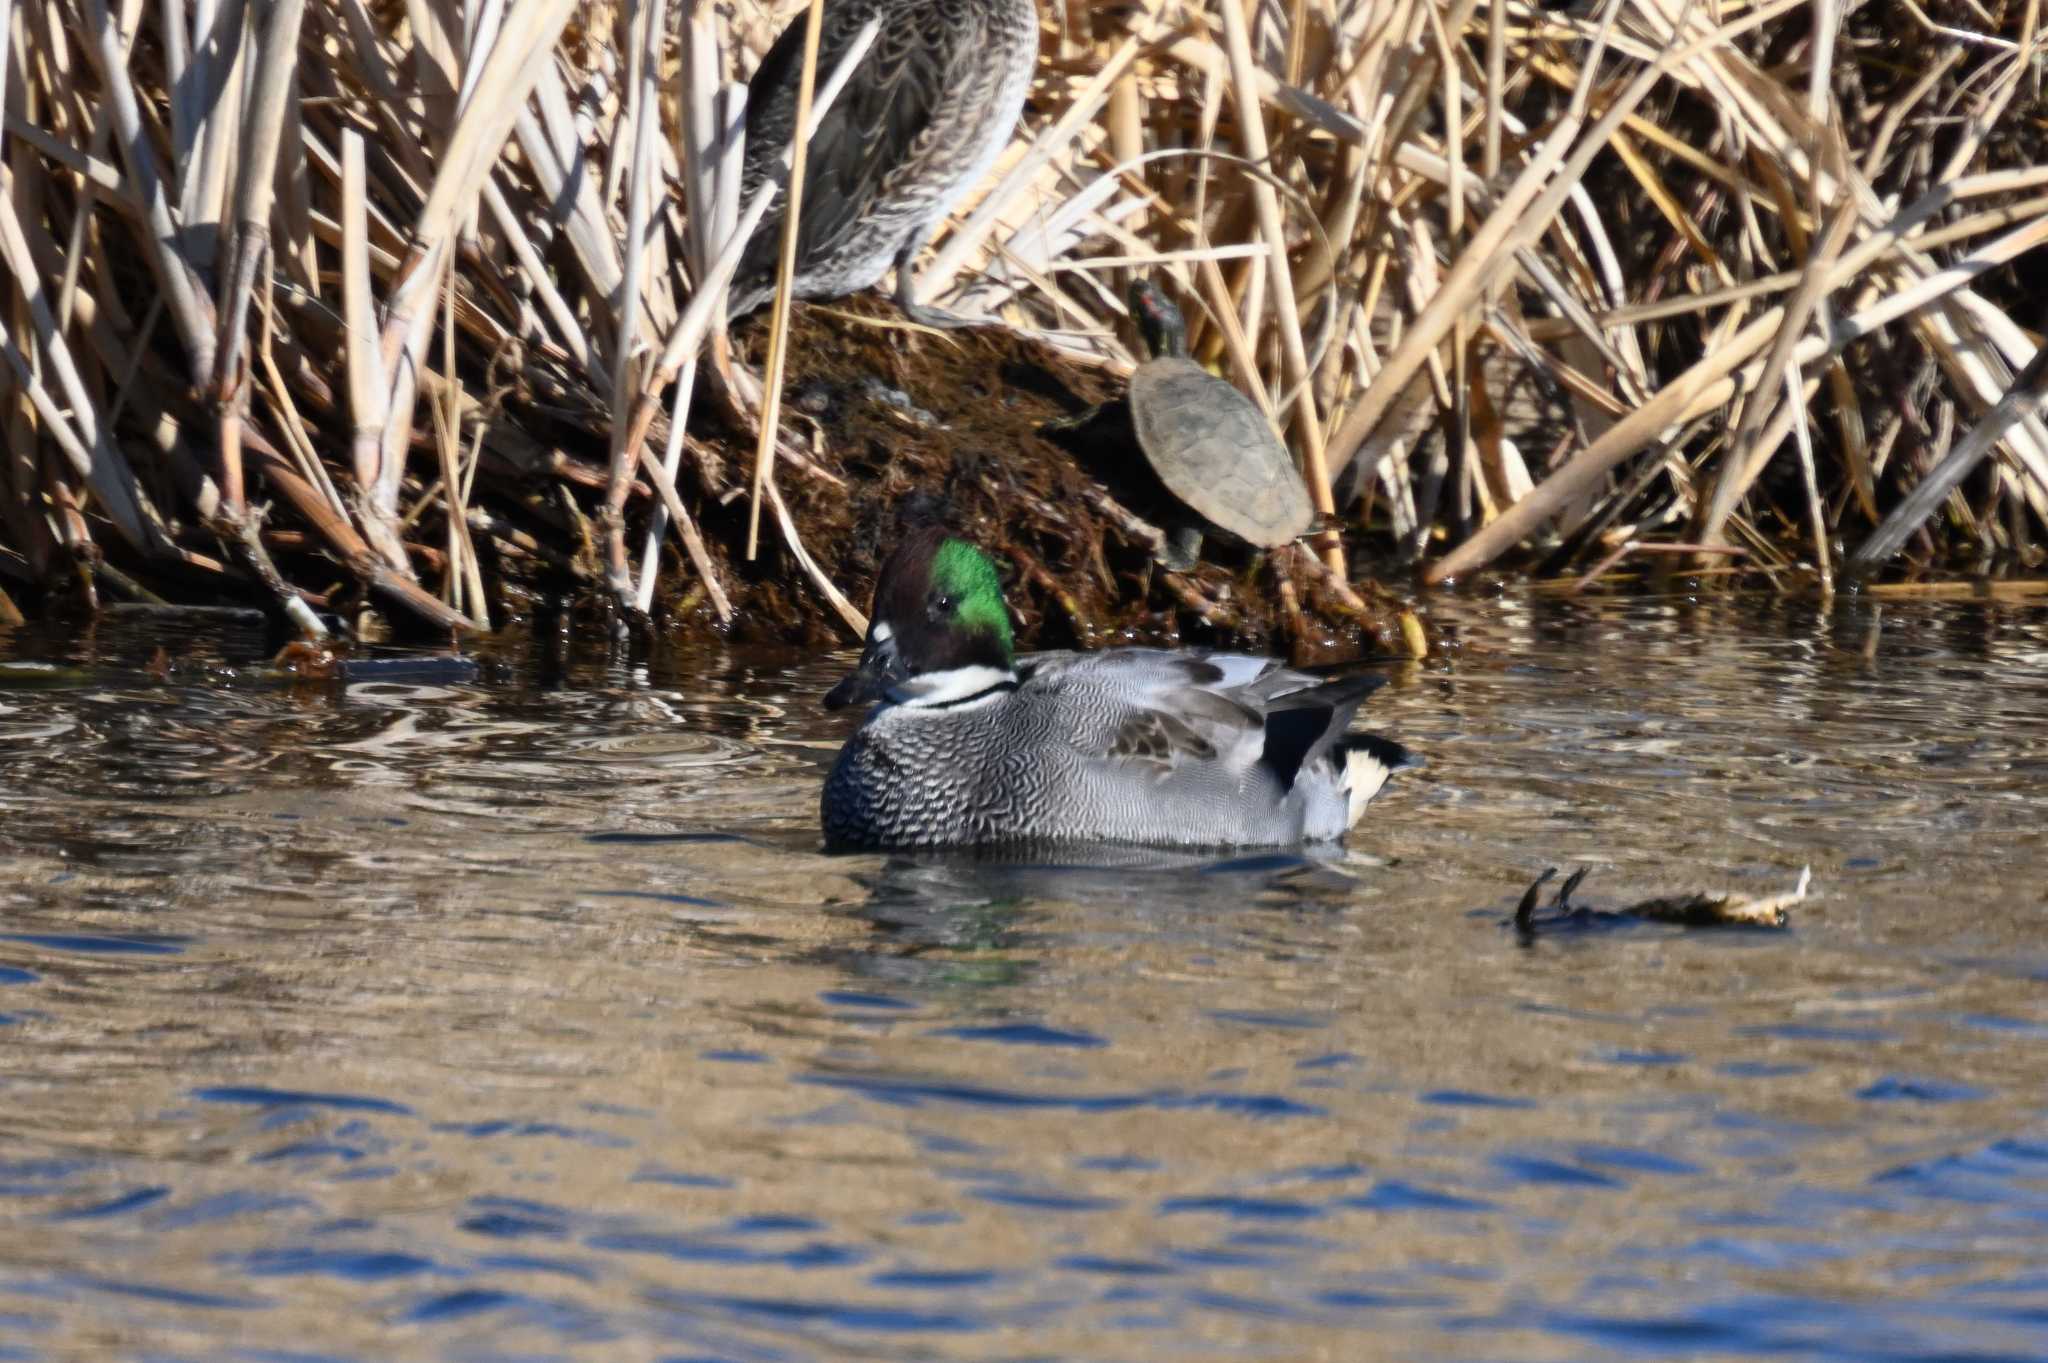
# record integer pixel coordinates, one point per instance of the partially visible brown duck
(919, 124)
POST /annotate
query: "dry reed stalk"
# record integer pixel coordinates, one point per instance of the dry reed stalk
(643, 89)
(511, 68)
(77, 427)
(709, 162)
(1736, 460)
(369, 383)
(695, 323)
(1280, 272)
(686, 526)
(785, 274)
(2029, 392)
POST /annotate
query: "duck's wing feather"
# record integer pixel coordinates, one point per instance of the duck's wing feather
(1173, 726)
(1151, 707)
(1144, 671)
(873, 128)
(1168, 708)
(1160, 736)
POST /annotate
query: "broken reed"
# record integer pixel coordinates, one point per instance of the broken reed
(314, 298)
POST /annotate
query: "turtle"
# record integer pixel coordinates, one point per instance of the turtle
(1207, 442)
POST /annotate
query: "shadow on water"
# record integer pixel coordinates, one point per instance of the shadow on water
(963, 923)
(522, 1017)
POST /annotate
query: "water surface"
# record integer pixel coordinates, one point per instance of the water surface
(524, 1019)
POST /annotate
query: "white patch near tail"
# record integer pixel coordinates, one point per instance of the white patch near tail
(1368, 761)
(1364, 774)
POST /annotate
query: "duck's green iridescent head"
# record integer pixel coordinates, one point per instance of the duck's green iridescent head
(938, 608)
(967, 594)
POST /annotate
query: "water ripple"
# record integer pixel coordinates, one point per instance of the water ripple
(521, 1016)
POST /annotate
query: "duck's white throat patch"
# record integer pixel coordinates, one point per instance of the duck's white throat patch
(955, 688)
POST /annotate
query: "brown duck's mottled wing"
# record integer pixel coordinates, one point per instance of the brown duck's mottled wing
(874, 127)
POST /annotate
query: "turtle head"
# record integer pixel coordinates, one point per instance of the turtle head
(938, 612)
(1159, 321)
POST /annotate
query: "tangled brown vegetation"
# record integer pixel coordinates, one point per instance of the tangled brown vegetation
(327, 303)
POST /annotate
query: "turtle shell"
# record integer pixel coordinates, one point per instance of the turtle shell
(1211, 447)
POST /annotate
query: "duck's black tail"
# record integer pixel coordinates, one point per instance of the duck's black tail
(1306, 724)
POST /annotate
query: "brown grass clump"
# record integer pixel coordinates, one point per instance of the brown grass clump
(329, 303)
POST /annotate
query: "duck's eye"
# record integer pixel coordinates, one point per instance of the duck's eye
(942, 605)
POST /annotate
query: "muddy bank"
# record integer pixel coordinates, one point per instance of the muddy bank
(953, 423)
(881, 416)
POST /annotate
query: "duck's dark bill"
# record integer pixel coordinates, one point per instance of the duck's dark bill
(881, 667)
